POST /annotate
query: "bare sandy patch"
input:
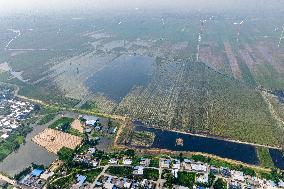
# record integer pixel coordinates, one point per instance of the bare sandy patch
(53, 140)
(76, 124)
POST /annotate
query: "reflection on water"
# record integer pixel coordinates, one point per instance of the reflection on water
(117, 78)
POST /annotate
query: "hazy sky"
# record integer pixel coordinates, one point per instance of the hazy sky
(65, 5)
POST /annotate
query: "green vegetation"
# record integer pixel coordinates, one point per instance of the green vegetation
(92, 174)
(151, 174)
(211, 179)
(120, 171)
(90, 105)
(186, 179)
(209, 102)
(154, 162)
(220, 184)
(14, 141)
(23, 173)
(65, 154)
(178, 95)
(64, 182)
(264, 157)
(75, 132)
(62, 124)
(142, 138)
(47, 118)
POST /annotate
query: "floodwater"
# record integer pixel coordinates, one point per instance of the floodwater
(236, 151)
(117, 78)
(27, 154)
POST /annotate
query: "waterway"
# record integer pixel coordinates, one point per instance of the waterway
(236, 151)
(277, 158)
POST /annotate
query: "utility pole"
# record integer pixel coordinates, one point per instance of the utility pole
(281, 37)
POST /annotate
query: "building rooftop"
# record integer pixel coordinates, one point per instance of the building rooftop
(37, 172)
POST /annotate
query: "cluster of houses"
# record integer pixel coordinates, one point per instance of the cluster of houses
(36, 179)
(235, 179)
(87, 158)
(113, 182)
(16, 111)
(93, 123)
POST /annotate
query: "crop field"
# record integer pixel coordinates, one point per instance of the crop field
(190, 96)
(144, 66)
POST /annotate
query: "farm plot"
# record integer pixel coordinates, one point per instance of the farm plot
(54, 140)
(233, 61)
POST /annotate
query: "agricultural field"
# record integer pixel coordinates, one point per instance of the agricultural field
(193, 97)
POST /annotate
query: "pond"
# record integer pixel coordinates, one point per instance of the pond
(116, 79)
(225, 149)
(277, 158)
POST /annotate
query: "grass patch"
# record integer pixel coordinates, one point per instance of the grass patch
(47, 118)
(120, 171)
(264, 157)
(154, 163)
(92, 174)
(151, 174)
(61, 124)
(89, 105)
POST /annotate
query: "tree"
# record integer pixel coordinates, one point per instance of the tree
(65, 154)
(220, 184)
(129, 152)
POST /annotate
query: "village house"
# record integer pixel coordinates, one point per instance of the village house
(176, 164)
(145, 162)
(165, 163)
(186, 164)
(225, 172)
(138, 170)
(90, 120)
(80, 179)
(18, 111)
(235, 185)
(112, 161)
(198, 167)
(202, 178)
(237, 176)
(33, 180)
(127, 161)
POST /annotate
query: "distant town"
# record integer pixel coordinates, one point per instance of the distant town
(13, 111)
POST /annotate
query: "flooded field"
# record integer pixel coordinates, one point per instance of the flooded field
(116, 79)
(27, 154)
